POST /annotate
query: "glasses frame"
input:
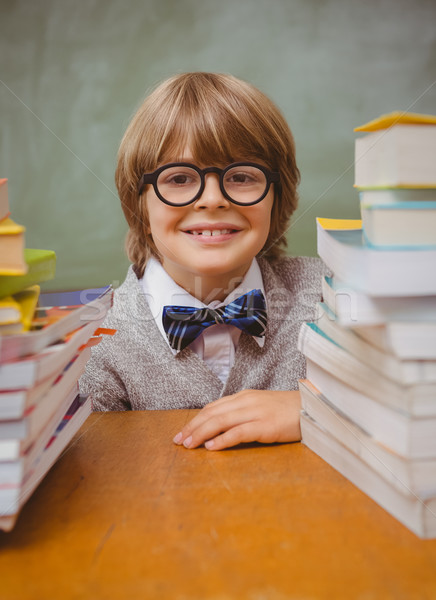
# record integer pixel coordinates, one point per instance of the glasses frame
(151, 179)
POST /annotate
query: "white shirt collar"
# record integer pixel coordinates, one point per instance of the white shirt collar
(160, 290)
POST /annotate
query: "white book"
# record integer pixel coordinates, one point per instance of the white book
(406, 340)
(416, 476)
(402, 155)
(16, 448)
(400, 225)
(418, 399)
(407, 435)
(416, 514)
(14, 403)
(354, 308)
(13, 498)
(403, 371)
(28, 426)
(398, 272)
(396, 196)
(31, 370)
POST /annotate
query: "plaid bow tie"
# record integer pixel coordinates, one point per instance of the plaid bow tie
(183, 324)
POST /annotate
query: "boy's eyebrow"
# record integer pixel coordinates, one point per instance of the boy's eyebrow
(166, 160)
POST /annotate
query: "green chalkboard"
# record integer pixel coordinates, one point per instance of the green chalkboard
(73, 73)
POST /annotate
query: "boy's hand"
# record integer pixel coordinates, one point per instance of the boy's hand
(248, 416)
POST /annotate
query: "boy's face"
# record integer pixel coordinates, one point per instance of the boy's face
(197, 261)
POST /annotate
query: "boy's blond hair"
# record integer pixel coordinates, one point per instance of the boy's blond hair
(224, 120)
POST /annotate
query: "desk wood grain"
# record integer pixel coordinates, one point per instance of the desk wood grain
(127, 514)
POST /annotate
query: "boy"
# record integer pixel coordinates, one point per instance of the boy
(207, 180)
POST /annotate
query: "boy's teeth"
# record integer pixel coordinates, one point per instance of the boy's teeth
(211, 232)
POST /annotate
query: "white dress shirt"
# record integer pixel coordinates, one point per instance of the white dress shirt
(217, 344)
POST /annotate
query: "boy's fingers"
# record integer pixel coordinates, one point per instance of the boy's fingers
(215, 425)
(210, 411)
(250, 415)
(241, 434)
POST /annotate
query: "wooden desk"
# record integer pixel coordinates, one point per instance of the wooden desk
(127, 514)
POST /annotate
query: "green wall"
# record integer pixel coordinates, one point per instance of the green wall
(72, 74)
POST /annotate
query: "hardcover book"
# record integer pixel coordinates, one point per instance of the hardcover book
(40, 267)
(12, 248)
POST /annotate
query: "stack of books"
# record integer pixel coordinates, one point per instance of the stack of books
(45, 343)
(369, 399)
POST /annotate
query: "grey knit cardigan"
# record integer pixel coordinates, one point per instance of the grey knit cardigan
(136, 370)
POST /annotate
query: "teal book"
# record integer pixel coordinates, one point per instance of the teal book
(41, 266)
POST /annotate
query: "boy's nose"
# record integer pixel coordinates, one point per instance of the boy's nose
(212, 196)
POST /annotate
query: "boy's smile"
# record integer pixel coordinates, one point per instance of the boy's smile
(212, 233)
(208, 246)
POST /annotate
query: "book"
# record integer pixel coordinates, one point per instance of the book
(409, 435)
(404, 339)
(4, 199)
(354, 308)
(14, 402)
(28, 300)
(12, 248)
(415, 513)
(26, 372)
(417, 399)
(376, 272)
(403, 371)
(396, 196)
(28, 425)
(14, 471)
(52, 321)
(16, 447)
(369, 400)
(417, 475)
(16, 312)
(40, 267)
(10, 311)
(397, 117)
(13, 498)
(397, 153)
(19, 404)
(402, 225)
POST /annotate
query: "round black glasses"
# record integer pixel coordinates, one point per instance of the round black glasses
(179, 184)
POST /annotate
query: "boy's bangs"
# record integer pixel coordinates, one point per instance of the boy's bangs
(211, 139)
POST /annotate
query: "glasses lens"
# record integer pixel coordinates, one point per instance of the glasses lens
(245, 184)
(178, 185)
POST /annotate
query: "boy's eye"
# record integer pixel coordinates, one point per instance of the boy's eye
(178, 178)
(251, 176)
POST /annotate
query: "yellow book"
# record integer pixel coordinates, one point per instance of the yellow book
(28, 300)
(12, 248)
(17, 312)
(339, 224)
(397, 118)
